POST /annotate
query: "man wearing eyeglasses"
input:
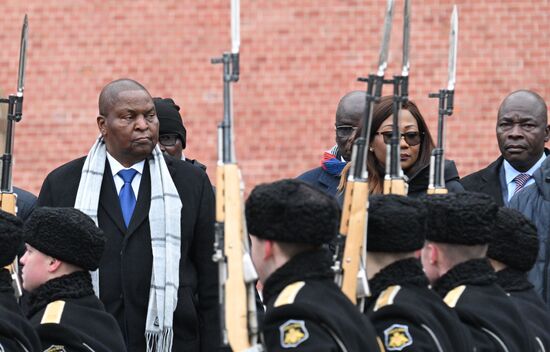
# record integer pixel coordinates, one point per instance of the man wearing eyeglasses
(172, 132)
(522, 130)
(349, 113)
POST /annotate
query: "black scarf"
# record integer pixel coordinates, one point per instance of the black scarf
(402, 272)
(307, 265)
(477, 272)
(74, 285)
(512, 280)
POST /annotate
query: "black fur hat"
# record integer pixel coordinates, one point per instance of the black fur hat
(11, 237)
(460, 218)
(66, 234)
(396, 224)
(515, 243)
(292, 211)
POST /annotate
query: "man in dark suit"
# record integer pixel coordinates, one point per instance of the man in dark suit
(349, 113)
(522, 130)
(132, 213)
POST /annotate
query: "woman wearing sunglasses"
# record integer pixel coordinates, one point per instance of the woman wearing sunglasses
(416, 145)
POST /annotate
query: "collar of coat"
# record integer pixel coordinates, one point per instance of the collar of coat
(402, 272)
(74, 285)
(307, 265)
(512, 280)
(476, 272)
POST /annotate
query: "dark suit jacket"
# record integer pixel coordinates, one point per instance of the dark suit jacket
(125, 269)
(486, 181)
(321, 180)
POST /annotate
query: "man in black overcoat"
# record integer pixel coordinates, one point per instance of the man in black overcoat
(129, 132)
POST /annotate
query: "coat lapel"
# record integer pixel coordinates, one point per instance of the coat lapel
(491, 181)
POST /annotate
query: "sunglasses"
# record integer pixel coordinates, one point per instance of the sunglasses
(412, 138)
(344, 131)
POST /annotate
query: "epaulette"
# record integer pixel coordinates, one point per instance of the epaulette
(53, 313)
(386, 297)
(454, 295)
(289, 293)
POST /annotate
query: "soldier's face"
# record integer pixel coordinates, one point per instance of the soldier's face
(35, 268)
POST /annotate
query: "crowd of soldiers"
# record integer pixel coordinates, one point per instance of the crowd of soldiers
(118, 252)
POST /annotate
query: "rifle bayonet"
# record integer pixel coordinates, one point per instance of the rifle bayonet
(446, 106)
(394, 179)
(385, 48)
(8, 199)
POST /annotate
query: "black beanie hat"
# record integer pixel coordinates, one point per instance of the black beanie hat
(66, 234)
(396, 224)
(465, 218)
(292, 211)
(515, 243)
(11, 237)
(170, 118)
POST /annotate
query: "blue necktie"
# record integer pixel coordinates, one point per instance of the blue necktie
(127, 197)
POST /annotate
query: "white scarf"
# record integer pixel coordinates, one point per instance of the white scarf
(164, 222)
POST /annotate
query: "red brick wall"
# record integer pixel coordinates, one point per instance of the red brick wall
(297, 59)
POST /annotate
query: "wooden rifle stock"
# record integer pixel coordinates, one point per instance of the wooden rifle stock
(353, 227)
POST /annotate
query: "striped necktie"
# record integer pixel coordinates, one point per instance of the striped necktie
(520, 181)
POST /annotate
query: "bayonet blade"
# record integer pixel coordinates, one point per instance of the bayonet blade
(384, 50)
(22, 57)
(235, 26)
(453, 48)
(406, 36)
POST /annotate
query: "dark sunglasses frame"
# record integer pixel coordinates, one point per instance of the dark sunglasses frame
(344, 131)
(412, 138)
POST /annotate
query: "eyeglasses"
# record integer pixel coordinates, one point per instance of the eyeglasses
(344, 131)
(168, 140)
(412, 138)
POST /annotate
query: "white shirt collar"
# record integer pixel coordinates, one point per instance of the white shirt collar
(116, 166)
(510, 173)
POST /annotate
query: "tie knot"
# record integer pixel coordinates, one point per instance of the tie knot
(127, 175)
(521, 179)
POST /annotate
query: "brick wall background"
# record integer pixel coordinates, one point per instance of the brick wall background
(297, 59)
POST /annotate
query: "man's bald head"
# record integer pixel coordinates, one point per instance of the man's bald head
(349, 114)
(352, 106)
(529, 99)
(109, 94)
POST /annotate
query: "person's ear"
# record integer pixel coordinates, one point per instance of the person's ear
(268, 249)
(547, 133)
(101, 125)
(53, 264)
(434, 254)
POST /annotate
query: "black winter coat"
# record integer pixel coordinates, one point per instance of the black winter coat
(493, 319)
(529, 304)
(65, 312)
(16, 333)
(408, 316)
(534, 202)
(306, 311)
(418, 183)
(125, 269)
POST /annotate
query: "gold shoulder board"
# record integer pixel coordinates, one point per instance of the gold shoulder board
(289, 293)
(53, 313)
(454, 295)
(386, 297)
